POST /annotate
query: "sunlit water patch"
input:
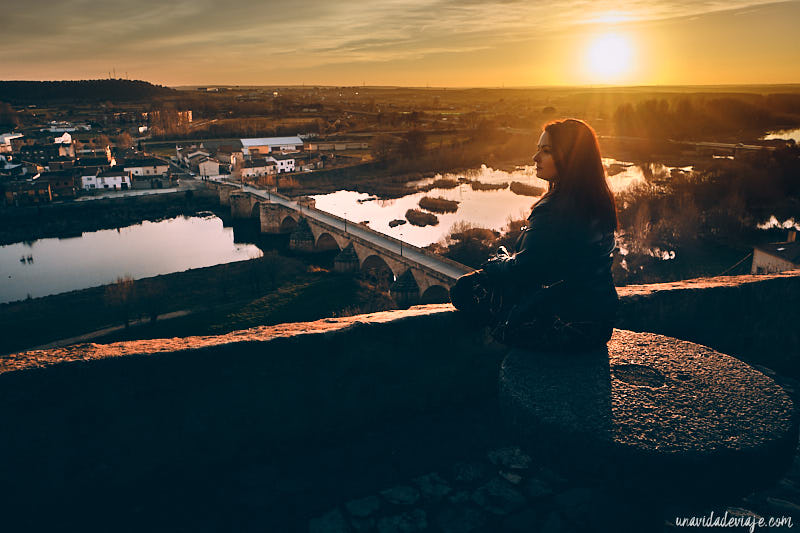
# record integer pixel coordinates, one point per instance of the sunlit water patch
(783, 134)
(488, 208)
(52, 266)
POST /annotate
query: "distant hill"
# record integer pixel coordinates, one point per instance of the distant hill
(33, 92)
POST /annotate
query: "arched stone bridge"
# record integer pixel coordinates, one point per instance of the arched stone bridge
(419, 276)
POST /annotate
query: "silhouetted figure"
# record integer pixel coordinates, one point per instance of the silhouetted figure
(555, 292)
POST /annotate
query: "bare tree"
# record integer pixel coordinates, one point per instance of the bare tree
(119, 297)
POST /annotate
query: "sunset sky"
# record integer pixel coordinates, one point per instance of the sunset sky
(404, 42)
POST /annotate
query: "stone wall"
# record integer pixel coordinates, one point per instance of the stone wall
(74, 414)
(754, 318)
(71, 414)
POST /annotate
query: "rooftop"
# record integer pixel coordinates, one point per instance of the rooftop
(271, 141)
(144, 162)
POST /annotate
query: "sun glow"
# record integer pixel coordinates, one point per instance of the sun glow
(609, 57)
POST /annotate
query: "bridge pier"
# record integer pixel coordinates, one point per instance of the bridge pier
(225, 194)
(274, 219)
(241, 204)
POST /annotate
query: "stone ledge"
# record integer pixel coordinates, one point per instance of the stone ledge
(652, 407)
(632, 291)
(91, 351)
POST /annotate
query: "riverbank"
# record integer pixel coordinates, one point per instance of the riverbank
(212, 300)
(70, 219)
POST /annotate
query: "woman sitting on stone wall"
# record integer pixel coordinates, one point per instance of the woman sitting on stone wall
(555, 292)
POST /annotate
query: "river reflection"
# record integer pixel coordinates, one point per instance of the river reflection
(52, 266)
(488, 209)
(783, 134)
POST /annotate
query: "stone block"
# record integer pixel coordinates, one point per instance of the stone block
(652, 408)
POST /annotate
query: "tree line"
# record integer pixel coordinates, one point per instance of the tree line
(32, 92)
(700, 117)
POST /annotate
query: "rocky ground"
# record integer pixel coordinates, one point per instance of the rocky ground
(497, 486)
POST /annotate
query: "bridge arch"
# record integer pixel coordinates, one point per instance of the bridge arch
(288, 223)
(375, 270)
(435, 294)
(325, 242)
(256, 211)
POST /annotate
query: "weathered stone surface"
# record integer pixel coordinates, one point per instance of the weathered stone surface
(511, 477)
(363, 524)
(783, 507)
(536, 489)
(460, 519)
(401, 495)
(498, 497)
(408, 522)
(510, 457)
(330, 522)
(459, 497)
(363, 507)
(651, 406)
(432, 487)
(470, 472)
(524, 521)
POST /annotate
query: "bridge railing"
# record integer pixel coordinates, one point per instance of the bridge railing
(437, 257)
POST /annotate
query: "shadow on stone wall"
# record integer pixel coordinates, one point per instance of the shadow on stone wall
(89, 416)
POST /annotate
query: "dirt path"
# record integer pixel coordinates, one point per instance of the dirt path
(105, 331)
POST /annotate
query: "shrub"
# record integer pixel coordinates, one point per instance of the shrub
(421, 218)
(438, 205)
(523, 189)
(480, 186)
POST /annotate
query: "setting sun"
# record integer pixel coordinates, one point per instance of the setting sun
(609, 57)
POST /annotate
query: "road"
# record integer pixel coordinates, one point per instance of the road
(378, 239)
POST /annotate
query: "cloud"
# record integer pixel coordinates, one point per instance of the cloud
(304, 33)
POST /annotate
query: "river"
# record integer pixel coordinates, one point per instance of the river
(52, 266)
(489, 209)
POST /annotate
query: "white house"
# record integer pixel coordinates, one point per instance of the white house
(267, 145)
(5, 141)
(256, 168)
(110, 179)
(208, 167)
(146, 166)
(285, 163)
(63, 126)
(187, 153)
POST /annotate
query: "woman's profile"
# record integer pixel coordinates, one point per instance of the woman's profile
(555, 291)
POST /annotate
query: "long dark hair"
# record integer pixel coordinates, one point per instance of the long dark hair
(581, 178)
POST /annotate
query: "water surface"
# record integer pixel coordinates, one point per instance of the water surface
(487, 209)
(52, 266)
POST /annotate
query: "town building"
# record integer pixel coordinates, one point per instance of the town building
(7, 163)
(187, 153)
(256, 168)
(284, 162)
(39, 153)
(62, 183)
(146, 166)
(107, 180)
(21, 193)
(266, 145)
(96, 152)
(208, 167)
(101, 162)
(229, 154)
(777, 256)
(62, 126)
(7, 144)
